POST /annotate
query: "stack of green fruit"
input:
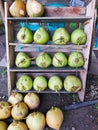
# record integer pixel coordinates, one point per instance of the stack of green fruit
(71, 83)
(26, 36)
(44, 60)
(60, 36)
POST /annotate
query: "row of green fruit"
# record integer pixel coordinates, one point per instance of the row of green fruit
(32, 8)
(71, 83)
(60, 36)
(44, 60)
(17, 107)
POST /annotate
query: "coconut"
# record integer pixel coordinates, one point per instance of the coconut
(19, 111)
(61, 36)
(59, 59)
(15, 97)
(34, 8)
(3, 125)
(17, 125)
(43, 60)
(24, 83)
(32, 100)
(55, 83)
(72, 83)
(36, 121)
(78, 37)
(18, 8)
(40, 83)
(5, 110)
(75, 59)
(54, 118)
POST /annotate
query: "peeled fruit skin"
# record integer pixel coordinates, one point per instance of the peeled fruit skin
(55, 83)
(14, 98)
(5, 110)
(36, 121)
(43, 60)
(24, 83)
(25, 35)
(59, 59)
(19, 111)
(75, 59)
(17, 125)
(41, 36)
(78, 37)
(32, 100)
(22, 60)
(34, 8)
(40, 83)
(54, 118)
(61, 36)
(72, 83)
(18, 8)
(3, 125)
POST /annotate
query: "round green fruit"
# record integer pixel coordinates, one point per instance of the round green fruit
(43, 60)
(40, 83)
(41, 36)
(75, 59)
(24, 83)
(61, 36)
(59, 59)
(55, 83)
(22, 60)
(72, 83)
(78, 37)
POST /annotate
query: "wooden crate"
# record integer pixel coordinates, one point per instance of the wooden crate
(78, 15)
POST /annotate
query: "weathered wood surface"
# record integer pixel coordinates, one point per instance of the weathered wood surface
(64, 11)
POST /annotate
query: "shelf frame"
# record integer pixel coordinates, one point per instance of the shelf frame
(11, 47)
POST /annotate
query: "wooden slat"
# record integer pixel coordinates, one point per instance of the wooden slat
(64, 11)
(51, 69)
(47, 48)
(9, 50)
(51, 19)
(88, 30)
(45, 91)
(53, 48)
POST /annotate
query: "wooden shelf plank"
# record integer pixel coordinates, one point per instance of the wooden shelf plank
(95, 49)
(44, 91)
(50, 69)
(51, 47)
(50, 19)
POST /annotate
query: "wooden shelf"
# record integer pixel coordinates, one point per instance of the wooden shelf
(50, 19)
(50, 69)
(51, 47)
(95, 49)
(44, 91)
(77, 15)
